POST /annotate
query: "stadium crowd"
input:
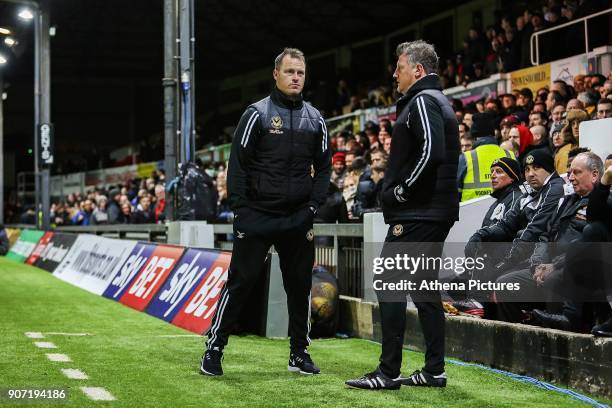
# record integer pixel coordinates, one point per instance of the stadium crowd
(138, 201)
(497, 48)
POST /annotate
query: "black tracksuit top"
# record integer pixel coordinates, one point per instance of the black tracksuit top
(421, 179)
(277, 142)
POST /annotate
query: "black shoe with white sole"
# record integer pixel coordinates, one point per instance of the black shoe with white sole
(211, 363)
(421, 378)
(302, 363)
(375, 380)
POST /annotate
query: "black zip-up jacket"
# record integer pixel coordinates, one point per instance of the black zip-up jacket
(276, 143)
(564, 228)
(527, 221)
(600, 206)
(505, 200)
(420, 181)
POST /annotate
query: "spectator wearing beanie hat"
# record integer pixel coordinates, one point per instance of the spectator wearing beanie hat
(473, 169)
(505, 181)
(540, 158)
(506, 124)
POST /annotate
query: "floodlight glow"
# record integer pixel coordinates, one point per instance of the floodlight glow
(5, 31)
(2, 59)
(9, 41)
(25, 14)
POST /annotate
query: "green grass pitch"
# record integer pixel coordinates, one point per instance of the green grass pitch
(145, 362)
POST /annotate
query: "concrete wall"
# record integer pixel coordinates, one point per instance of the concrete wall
(576, 360)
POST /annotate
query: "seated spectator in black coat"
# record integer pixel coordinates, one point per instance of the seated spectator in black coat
(125, 216)
(144, 213)
(334, 209)
(369, 193)
(114, 208)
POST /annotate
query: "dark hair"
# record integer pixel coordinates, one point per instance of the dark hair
(604, 101)
(564, 86)
(557, 97)
(542, 115)
(363, 140)
(468, 136)
(358, 163)
(378, 169)
(457, 104)
(576, 151)
(387, 126)
(379, 150)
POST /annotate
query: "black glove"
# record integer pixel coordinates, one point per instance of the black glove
(306, 215)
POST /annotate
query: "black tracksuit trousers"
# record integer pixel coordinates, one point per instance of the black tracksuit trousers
(254, 233)
(429, 305)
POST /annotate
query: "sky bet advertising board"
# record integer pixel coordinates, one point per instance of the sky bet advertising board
(193, 266)
(197, 312)
(152, 276)
(126, 273)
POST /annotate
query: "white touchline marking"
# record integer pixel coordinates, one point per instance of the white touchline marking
(58, 357)
(44, 344)
(74, 374)
(34, 335)
(97, 393)
(67, 334)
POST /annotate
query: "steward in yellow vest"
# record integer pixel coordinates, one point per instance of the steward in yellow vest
(474, 172)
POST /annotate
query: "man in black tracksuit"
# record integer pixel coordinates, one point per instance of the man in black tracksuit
(274, 197)
(420, 202)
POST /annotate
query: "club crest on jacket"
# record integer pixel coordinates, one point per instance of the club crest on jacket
(277, 123)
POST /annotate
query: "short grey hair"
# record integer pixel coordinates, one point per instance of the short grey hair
(593, 162)
(588, 98)
(292, 52)
(419, 52)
